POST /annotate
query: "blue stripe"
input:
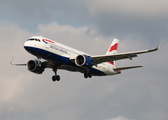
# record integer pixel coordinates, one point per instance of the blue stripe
(59, 59)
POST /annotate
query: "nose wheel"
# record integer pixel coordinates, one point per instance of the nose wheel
(55, 77)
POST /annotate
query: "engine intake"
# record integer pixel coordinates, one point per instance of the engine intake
(35, 66)
(83, 61)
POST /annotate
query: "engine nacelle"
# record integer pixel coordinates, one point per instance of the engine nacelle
(83, 61)
(35, 66)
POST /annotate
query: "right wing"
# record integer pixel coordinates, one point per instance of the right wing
(129, 55)
(12, 62)
(46, 64)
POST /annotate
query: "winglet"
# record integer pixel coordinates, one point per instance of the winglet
(156, 47)
(16, 64)
(12, 60)
(159, 45)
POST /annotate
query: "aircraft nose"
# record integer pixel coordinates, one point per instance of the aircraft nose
(30, 47)
(27, 46)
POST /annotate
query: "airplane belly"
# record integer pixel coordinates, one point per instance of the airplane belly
(96, 72)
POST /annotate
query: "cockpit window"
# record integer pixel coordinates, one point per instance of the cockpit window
(34, 40)
(37, 40)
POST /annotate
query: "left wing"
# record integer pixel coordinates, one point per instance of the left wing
(129, 55)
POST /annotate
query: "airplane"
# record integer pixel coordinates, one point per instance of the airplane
(58, 56)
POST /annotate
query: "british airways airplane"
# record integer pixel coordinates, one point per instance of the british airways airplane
(59, 56)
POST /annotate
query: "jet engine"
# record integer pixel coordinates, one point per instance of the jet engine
(83, 61)
(35, 66)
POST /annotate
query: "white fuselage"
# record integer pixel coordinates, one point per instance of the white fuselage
(61, 55)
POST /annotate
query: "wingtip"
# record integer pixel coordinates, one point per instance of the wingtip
(12, 60)
(159, 44)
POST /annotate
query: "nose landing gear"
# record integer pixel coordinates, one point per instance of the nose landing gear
(55, 77)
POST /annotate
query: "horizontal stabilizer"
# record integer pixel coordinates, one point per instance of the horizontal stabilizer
(125, 68)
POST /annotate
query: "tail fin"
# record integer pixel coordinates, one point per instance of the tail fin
(113, 49)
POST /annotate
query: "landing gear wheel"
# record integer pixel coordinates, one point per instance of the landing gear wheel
(87, 74)
(90, 76)
(56, 78)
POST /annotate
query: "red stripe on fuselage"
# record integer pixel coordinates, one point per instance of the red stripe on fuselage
(114, 47)
(48, 41)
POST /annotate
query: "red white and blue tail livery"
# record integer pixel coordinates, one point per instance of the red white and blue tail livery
(58, 56)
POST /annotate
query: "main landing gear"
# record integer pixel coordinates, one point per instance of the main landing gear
(55, 77)
(87, 74)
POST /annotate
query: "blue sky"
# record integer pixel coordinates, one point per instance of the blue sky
(90, 26)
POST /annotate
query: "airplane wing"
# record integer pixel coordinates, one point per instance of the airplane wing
(47, 64)
(12, 63)
(129, 55)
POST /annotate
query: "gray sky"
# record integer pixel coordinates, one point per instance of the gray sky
(90, 26)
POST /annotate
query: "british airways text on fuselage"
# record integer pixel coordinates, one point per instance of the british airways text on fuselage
(57, 48)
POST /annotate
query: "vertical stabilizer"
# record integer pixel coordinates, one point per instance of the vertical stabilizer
(113, 48)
